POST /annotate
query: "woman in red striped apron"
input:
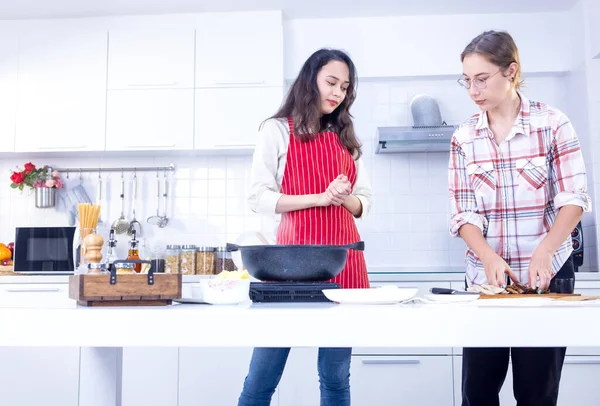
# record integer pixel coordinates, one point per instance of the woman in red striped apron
(307, 168)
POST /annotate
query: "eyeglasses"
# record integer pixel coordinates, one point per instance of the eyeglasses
(478, 82)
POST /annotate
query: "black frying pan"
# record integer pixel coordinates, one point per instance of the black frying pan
(298, 263)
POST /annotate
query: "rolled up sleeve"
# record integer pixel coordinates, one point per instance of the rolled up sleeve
(362, 188)
(568, 174)
(462, 196)
(264, 187)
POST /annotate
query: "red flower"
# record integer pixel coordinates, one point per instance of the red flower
(17, 178)
(29, 167)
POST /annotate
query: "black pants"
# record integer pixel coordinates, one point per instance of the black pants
(536, 371)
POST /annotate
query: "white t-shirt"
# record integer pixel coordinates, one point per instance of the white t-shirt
(268, 165)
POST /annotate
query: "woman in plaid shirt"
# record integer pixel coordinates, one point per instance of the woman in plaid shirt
(518, 188)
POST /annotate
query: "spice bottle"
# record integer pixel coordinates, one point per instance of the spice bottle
(133, 253)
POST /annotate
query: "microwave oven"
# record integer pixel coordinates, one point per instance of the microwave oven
(44, 251)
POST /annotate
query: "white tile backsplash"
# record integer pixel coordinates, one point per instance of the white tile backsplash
(409, 220)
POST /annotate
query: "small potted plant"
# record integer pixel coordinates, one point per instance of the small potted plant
(43, 180)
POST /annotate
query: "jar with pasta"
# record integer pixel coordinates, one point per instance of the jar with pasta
(205, 261)
(187, 260)
(172, 254)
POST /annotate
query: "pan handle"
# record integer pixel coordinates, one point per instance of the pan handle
(232, 247)
(357, 246)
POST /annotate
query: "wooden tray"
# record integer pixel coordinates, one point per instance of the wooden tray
(529, 295)
(129, 290)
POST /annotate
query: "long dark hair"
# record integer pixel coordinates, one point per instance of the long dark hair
(500, 49)
(302, 102)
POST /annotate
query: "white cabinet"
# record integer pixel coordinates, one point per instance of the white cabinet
(159, 56)
(8, 89)
(230, 117)
(62, 86)
(235, 49)
(150, 119)
(394, 380)
(374, 379)
(150, 376)
(578, 385)
(213, 376)
(299, 385)
(39, 376)
(36, 296)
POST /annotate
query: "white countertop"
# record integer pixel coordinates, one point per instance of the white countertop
(305, 325)
(387, 274)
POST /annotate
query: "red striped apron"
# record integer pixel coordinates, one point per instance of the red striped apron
(310, 168)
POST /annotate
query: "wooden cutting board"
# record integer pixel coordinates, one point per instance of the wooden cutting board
(530, 295)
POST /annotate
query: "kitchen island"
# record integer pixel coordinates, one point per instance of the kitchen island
(103, 332)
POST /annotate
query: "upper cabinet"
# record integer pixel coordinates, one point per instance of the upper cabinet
(239, 49)
(62, 86)
(8, 90)
(230, 118)
(149, 119)
(142, 55)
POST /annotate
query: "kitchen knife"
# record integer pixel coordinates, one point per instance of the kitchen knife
(448, 291)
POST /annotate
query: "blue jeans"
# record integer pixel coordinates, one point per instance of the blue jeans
(266, 368)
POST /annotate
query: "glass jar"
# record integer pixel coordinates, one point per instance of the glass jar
(205, 261)
(187, 260)
(223, 261)
(172, 254)
(158, 260)
(124, 268)
(95, 268)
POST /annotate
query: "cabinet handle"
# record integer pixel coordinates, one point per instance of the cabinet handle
(391, 361)
(249, 82)
(152, 84)
(151, 146)
(583, 361)
(234, 145)
(61, 146)
(19, 290)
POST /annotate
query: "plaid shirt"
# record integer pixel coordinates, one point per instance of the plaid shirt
(513, 191)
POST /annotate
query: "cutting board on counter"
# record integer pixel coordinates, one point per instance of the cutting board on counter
(530, 295)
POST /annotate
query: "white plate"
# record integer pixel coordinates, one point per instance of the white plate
(451, 298)
(382, 295)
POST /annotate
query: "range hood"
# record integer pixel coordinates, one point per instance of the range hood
(414, 139)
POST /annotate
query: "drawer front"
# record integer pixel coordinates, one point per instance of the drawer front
(36, 296)
(402, 380)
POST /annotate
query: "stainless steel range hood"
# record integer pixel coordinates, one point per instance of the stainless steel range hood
(414, 139)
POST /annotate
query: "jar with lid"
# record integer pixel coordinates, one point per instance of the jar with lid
(187, 260)
(96, 268)
(172, 254)
(223, 261)
(205, 261)
(124, 268)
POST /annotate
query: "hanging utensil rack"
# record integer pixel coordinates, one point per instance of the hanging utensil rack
(170, 168)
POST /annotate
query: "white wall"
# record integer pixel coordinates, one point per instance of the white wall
(408, 225)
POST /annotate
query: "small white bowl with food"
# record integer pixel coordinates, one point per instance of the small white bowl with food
(227, 288)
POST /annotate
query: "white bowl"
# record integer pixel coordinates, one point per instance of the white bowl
(222, 291)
